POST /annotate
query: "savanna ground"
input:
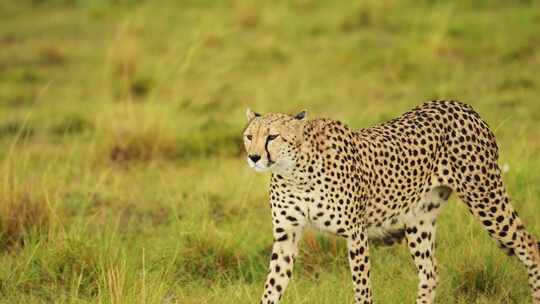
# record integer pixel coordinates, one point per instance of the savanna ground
(123, 178)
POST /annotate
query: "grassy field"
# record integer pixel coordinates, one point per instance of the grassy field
(122, 173)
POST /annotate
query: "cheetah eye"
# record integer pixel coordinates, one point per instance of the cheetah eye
(249, 137)
(272, 137)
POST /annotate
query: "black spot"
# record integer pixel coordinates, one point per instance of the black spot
(283, 238)
(291, 218)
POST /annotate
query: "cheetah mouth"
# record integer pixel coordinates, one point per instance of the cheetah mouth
(259, 167)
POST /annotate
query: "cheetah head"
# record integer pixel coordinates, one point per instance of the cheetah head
(272, 140)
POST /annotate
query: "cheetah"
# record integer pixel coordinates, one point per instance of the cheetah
(386, 181)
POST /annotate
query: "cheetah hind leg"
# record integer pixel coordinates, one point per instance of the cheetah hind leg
(420, 236)
(494, 210)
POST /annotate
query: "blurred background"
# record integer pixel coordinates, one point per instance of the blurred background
(122, 172)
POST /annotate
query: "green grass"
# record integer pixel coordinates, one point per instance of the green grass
(122, 173)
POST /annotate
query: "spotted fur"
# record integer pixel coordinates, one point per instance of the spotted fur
(388, 181)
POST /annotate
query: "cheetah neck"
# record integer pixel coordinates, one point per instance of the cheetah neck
(298, 170)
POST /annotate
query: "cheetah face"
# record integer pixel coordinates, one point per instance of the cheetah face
(272, 140)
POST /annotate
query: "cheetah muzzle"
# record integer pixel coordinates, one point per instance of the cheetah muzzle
(386, 182)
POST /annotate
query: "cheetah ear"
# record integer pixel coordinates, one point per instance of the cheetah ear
(250, 114)
(301, 116)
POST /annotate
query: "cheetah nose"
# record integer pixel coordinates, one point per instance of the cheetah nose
(254, 157)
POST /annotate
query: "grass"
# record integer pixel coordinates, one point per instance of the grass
(123, 179)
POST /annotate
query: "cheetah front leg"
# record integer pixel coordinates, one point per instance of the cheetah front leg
(357, 244)
(280, 270)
